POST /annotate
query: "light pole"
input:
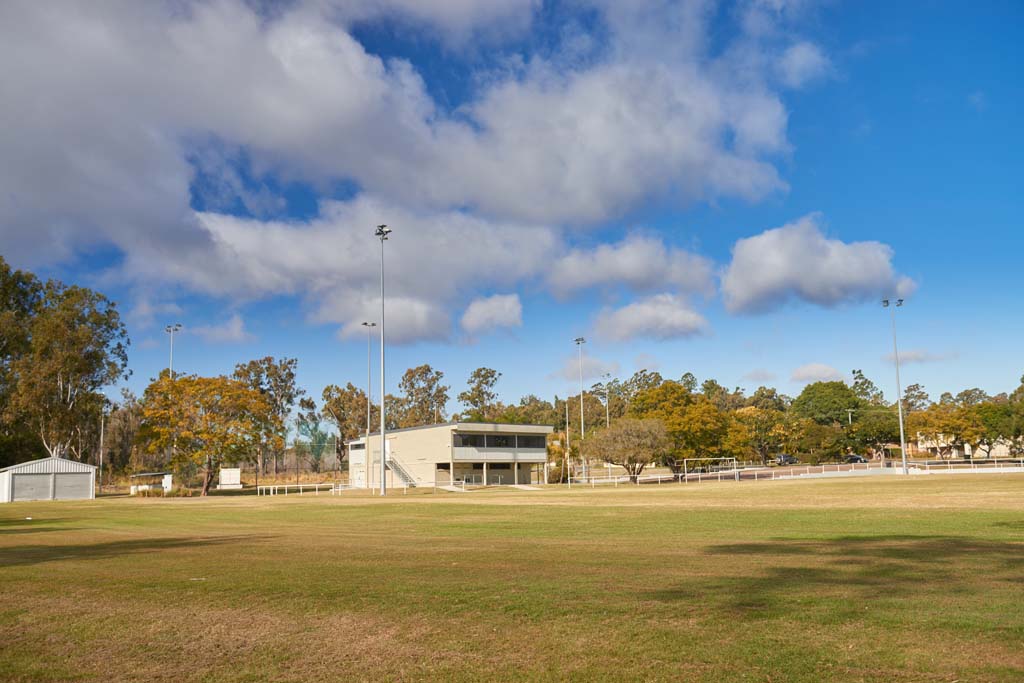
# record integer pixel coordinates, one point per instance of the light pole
(382, 232)
(899, 389)
(171, 329)
(580, 341)
(369, 411)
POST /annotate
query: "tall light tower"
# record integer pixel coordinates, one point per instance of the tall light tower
(382, 232)
(171, 329)
(369, 405)
(899, 389)
(580, 341)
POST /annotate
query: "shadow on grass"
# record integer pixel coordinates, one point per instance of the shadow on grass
(850, 571)
(27, 555)
(35, 526)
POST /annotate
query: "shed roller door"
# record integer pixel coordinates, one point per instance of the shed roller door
(73, 486)
(31, 486)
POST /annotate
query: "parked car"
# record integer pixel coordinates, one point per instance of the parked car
(786, 459)
(855, 460)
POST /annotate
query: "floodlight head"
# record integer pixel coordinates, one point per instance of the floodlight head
(173, 328)
(382, 232)
(366, 324)
(899, 302)
(885, 303)
(580, 340)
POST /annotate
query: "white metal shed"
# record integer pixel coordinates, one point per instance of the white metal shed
(48, 479)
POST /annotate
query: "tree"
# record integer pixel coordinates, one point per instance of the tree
(699, 432)
(531, 410)
(876, 428)
(826, 402)
(915, 399)
(275, 380)
(479, 398)
(122, 426)
(866, 390)
(208, 422)
(346, 408)
(77, 345)
(722, 397)
(641, 381)
(661, 401)
(971, 397)
(994, 422)
(764, 430)
(309, 427)
(631, 444)
(423, 397)
(767, 398)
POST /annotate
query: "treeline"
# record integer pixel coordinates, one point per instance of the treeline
(59, 346)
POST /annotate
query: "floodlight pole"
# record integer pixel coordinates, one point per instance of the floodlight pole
(171, 329)
(382, 233)
(580, 341)
(899, 388)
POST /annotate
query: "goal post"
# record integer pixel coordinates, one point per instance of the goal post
(705, 465)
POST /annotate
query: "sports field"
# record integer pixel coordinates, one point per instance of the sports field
(880, 579)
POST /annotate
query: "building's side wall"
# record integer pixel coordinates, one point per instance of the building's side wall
(5, 487)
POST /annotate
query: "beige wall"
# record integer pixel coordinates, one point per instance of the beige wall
(418, 451)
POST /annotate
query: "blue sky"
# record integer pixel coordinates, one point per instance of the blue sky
(721, 188)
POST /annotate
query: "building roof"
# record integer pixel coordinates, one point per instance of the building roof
(48, 465)
(478, 427)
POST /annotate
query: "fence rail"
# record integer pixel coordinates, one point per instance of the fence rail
(277, 489)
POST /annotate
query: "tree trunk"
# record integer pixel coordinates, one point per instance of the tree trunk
(207, 478)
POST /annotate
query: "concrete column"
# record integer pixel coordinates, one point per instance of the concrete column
(515, 469)
(485, 473)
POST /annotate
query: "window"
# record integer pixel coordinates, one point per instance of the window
(532, 441)
(469, 440)
(444, 466)
(357, 446)
(478, 466)
(501, 466)
(501, 441)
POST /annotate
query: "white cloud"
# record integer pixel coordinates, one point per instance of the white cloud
(642, 263)
(816, 372)
(759, 375)
(145, 311)
(663, 316)
(231, 331)
(802, 63)
(593, 368)
(919, 356)
(433, 261)
(797, 261)
(493, 312)
(152, 96)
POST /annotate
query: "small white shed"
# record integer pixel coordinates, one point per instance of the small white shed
(48, 479)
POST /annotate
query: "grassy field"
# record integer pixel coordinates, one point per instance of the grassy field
(879, 579)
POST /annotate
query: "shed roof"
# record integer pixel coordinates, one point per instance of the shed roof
(50, 465)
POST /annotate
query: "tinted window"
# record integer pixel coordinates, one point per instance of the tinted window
(501, 441)
(501, 466)
(356, 446)
(532, 441)
(471, 440)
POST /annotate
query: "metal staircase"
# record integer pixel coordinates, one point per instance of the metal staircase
(396, 467)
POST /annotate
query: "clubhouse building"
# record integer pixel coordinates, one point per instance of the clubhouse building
(482, 454)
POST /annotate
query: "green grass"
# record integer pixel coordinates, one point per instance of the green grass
(919, 579)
